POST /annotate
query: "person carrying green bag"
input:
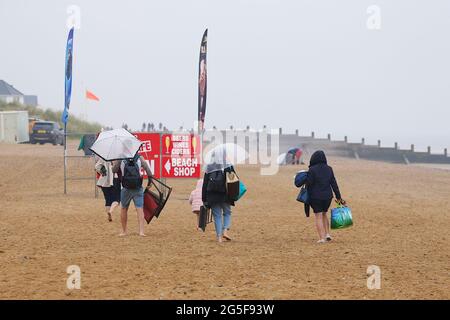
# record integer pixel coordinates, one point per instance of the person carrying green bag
(341, 217)
(321, 184)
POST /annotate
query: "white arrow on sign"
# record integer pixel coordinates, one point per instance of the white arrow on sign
(167, 166)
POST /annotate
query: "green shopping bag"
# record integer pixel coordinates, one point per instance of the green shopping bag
(341, 217)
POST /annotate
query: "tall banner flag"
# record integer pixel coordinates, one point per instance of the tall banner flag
(202, 82)
(68, 77)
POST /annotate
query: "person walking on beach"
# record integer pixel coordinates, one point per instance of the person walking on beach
(195, 199)
(109, 182)
(132, 189)
(321, 184)
(214, 194)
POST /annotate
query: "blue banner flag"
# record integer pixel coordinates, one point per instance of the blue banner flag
(68, 77)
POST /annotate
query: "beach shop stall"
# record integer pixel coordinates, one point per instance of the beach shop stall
(14, 127)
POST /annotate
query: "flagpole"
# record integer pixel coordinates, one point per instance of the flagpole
(85, 106)
(65, 157)
(85, 102)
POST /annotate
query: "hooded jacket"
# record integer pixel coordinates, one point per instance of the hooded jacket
(321, 181)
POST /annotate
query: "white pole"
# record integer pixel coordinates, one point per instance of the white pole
(65, 158)
(2, 125)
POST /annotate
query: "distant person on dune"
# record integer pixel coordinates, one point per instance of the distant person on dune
(109, 182)
(195, 198)
(321, 184)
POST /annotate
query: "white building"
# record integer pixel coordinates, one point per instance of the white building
(14, 127)
(9, 94)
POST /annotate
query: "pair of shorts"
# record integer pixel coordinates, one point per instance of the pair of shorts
(112, 194)
(320, 205)
(137, 195)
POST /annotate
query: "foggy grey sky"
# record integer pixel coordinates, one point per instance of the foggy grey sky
(311, 65)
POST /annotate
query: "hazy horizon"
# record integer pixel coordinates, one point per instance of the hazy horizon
(307, 65)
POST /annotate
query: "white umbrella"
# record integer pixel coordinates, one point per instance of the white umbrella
(116, 144)
(281, 159)
(234, 153)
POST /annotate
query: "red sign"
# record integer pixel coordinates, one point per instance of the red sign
(181, 145)
(150, 150)
(171, 155)
(180, 156)
(181, 167)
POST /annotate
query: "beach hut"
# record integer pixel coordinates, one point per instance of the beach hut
(14, 127)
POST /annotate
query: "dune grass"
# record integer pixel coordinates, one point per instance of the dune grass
(74, 126)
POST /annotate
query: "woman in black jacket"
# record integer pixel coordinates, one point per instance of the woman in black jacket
(321, 184)
(214, 196)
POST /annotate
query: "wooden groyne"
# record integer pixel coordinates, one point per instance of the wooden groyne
(343, 148)
(361, 150)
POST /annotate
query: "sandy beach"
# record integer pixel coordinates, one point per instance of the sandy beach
(401, 221)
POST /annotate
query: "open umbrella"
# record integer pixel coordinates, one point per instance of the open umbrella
(281, 159)
(233, 153)
(117, 144)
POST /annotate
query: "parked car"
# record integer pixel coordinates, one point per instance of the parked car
(47, 131)
(31, 122)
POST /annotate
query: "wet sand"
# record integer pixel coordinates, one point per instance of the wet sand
(401, 221)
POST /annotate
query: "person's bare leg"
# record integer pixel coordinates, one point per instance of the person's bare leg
(108, 208)
(114, 205)
(123, 220)
(198, 220)
(326, 225)
(319, 226)
(141, 221)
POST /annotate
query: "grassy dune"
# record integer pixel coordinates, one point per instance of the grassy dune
(75, 125)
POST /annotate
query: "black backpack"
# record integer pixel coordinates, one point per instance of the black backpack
(131, 178)
(216, 181)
